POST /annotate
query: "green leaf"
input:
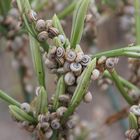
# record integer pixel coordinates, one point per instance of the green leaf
(133, 124)
(60, 89)
(56, 23)
(20, 115)
(8, 99)
(37, 61)
(81, 88)
(41, 101)
(78, 22)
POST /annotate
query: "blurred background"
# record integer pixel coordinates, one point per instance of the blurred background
(109, 24)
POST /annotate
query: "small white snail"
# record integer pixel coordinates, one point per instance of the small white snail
(61, 110)
(76, 68)
(26, 107)
(69, 78)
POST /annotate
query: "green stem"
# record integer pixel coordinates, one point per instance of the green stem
(127, 51)
(123, 81)
(67, 11)
(120, 87)
(137, 20)
(8, 99)
(37, 61)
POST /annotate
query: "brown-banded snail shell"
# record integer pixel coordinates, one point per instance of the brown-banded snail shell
(85, 60)
(60, 52)
(53, 32)
(95, 74)
(50, 64)
(60, 61)
(26, 107)
(55, 124)
(69, 78)
(66, 66)
(88, 97)
(64, 98)
(48, 133)
(131, 134)
(43, 36)
(60, 111)
(76, 68)
(40, 25)
(32, 16)
(70, 55)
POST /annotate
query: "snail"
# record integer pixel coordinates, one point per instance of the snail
(110, 62)
(85, 60)
(43, 118)
(55, 124)
(50, 64)
(95, 74)
(52, 50)
(43, 36)
(48, 133)
(32, 16)
(62, 39)
(64, 98)
(48, 24)
(53, 115)
(60, 70)
(52, 32)
(60, 52)
(66, 66)
(69, 78)
(135, 110)
(101, 60)
(70, 55)
(26, 107)
(76, 68)
(60, 61)
(60, 111)
(79, 57)
(40, 25)
(88, 97)
(131, 134)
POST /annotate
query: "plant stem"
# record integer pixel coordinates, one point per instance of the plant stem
(67, 11)
(120, 87)
(37, 61)
(25, 8)
(127, 51)
(137, 20)
(123, 81)
(8, 99)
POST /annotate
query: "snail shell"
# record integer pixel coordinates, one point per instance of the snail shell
(64, 98)
(40, 25)
(101, 60)
(131, 134)
(62, 39)
(32, 16)
(55, 124)
(79, 57)
(53, 32)
(53, 50)
(71, 123)
(70, 55)
(66, 66)
(60, 61)
(88, 97)
(43, 118)
(50, 64)
(69, 78)
(78, 79)
(135, 109)
(48, 24)
(53, 116)
(110, 62)
(48, 133)
(26, 107)
(60, 52)
(85, 60)
(60, 70)
(60, 111)
(95, 74)
(43, 36)
(76, 68)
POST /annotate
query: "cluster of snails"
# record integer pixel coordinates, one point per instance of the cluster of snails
(127, 21)
(134, 133)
